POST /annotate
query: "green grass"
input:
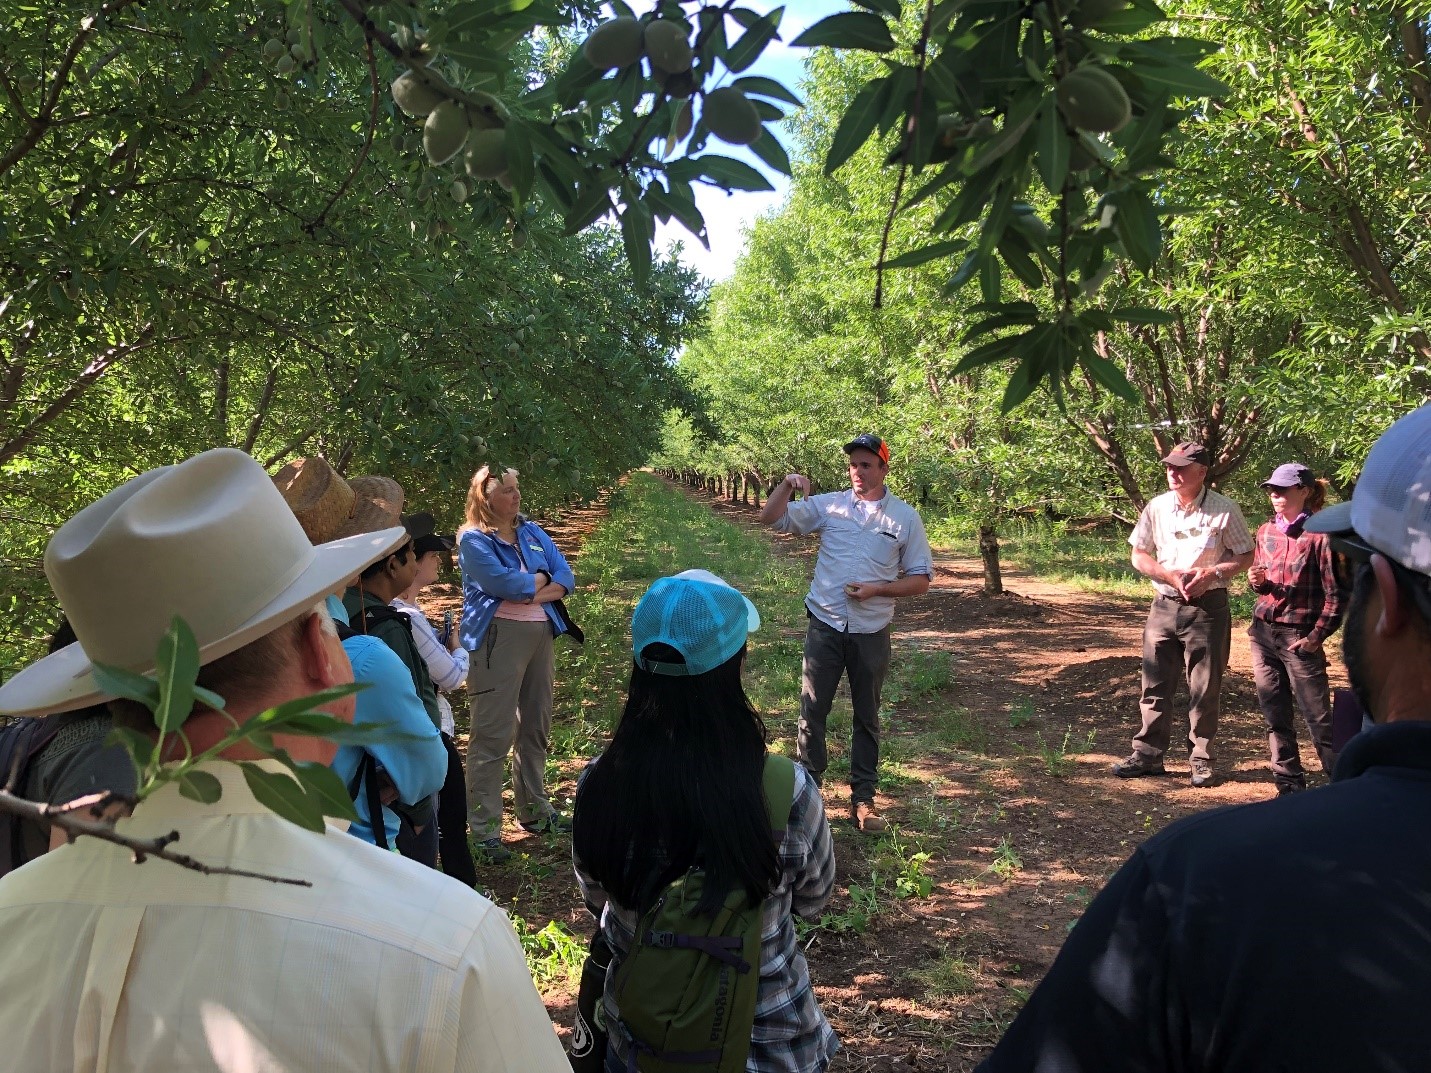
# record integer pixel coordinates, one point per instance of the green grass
(947, 976)
(1058, 759)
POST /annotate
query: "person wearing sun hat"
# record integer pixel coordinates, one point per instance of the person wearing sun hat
(1189, 542)
(1299, 605)
(407, 770)
(235, 970)
(873, 551)
(682, 783)
(1289, 934)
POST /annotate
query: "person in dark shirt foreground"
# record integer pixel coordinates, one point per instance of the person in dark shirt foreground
(1293, 934)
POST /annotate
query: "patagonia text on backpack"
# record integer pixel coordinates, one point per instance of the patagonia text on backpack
(687, 988)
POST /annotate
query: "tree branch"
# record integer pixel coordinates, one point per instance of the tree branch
(82, 818)
(922, 51)
(367, 141)
(43, 119)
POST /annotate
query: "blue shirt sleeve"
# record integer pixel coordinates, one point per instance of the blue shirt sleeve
(561, 572)
(417, 762)
(494, 577)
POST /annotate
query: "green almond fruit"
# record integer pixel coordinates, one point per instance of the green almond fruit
(458, 191)
(1092, 99)
(668, 43)
(1089, 13)
(273, 48)
(445, 132)
(731, 117)
(486, 156)
(615, 43)
(416, 96)
(285, 65)
(295, 34)
(486, 112)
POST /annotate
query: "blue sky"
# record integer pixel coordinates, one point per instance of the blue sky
(727, 214)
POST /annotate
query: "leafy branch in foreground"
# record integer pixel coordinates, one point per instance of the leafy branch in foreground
(304, 796)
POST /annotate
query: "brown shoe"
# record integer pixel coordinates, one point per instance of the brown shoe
(866, 818)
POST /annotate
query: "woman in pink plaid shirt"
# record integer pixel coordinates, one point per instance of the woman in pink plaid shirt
(1298, 607)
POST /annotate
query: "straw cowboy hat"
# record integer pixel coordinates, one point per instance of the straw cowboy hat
(210, 540)
(330, 508)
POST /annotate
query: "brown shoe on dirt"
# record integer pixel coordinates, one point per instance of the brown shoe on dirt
(866, 818)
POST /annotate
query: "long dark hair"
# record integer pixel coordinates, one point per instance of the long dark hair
(679, 785)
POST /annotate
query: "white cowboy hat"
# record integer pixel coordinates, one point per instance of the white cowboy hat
(210, 540)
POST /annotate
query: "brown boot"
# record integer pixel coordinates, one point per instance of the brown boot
(866, 818)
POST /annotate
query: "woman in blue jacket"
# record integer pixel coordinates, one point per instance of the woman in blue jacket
(512, 574)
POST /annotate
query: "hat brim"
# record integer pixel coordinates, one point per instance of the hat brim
(1334, 519)
(1284, 487)
(64, 680)
(1181, 460)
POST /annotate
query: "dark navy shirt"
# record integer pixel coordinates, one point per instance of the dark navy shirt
(1292, 934)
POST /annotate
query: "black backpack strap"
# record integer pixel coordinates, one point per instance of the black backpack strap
(20, 742)
(365, 778)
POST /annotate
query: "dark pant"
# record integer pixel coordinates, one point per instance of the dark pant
(1191, 639)
(452, 820)
(1282, 676)
(420, 846)
(828, 654)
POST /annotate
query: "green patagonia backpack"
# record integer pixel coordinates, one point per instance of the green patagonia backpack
(687, 987)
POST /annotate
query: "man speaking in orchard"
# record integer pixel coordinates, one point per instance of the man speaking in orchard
(872, 550)
(1190, 541)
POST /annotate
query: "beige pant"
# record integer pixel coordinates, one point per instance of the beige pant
(509, 685)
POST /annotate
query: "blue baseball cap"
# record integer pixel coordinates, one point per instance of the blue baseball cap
(698, 614)
(1289, 475)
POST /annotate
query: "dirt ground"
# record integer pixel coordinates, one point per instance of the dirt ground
(1003, 781)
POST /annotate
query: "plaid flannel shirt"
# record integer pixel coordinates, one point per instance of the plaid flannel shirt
(790, 1034)
(1301, 586)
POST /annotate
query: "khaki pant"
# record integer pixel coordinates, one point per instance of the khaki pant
(1184, 640)
(509, 685)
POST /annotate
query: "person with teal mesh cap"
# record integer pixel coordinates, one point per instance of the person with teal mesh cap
(680, 787)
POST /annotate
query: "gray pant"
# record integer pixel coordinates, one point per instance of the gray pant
(1281, 676)
(509, 684)
(829, 654)
(1191, 639)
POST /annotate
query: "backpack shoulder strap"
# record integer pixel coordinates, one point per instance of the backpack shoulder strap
(779, 786)
(20, 742)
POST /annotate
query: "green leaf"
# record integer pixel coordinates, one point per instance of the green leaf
(176, 667)
(1053, 148)
(991, 352)
(768, 149)
(200, 786)
(140, 747)
(752, 43)
(852, 29)
(119, 682)
(1130, 20)
(1109, 375)
(323, 785)
(925, 254)
(970, 265)
(1001, 143)
(1136, 224)
(592, 203)
(1181, 78)
(857, 124)
(283, 796)
(1142, 315)
(520, 167)
(636, 233)
(730, 174)
(755, 85)
(282, 717)
(883, 7)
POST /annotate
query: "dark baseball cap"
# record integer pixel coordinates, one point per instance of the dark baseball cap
(1289, 475)
(431, 542)
(1188, 454)
(870, 442)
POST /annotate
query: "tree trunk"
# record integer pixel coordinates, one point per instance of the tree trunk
(989, 552)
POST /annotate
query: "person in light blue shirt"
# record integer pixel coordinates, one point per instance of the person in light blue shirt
(416, 763)
(873, 551)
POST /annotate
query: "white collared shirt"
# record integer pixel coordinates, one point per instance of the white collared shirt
(859, 541)
(381, 965)
(1209, 532)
